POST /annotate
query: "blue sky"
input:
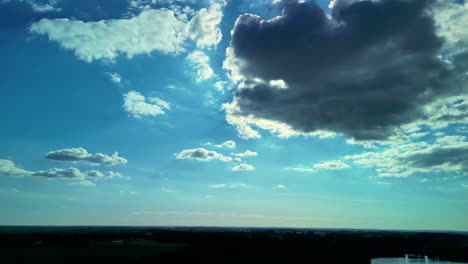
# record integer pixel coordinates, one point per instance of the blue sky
(234, 113)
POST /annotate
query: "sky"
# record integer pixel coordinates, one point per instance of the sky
(319, 114)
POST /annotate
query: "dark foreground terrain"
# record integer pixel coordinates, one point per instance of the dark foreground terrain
(220, 245)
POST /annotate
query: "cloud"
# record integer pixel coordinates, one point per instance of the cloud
(364, 71)
(114, 77)
(38, 5)
(81, 154)
(9, 190)
(331, 165)
(84, 183)
(301, 169)
(247, 153)
(202, 154)
(243, 167)
(204, 26)
(138, 106)
(70, 173)
(201, 64)
(8, 168)
(164, 30)
(280, 186)
(107, 39)
(217, 186)
(211, 214)
(444, 154)
(228, 144)
(74, 173)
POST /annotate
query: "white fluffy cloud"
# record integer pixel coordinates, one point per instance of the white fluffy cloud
(8, 168)
(201, 65)
(138, 106)
(247, 153)
(202, 154)
(243, 167)
(204, 28)
(107, 39)
(81, 154)
(114, 77)
(163, 30)
(228, 144)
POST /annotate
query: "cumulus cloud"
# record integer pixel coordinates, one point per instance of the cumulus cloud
(247, 153)
(227, 144)
(447, 154)
(164, 30)
(243, 167)
(138, 106)
(364, 71)
(107, 39)
(202, 154)
(204, 28)
(280, 186)
(114, 77)
(331, 165)
(201, 64)
(81, 154)
(8, 168)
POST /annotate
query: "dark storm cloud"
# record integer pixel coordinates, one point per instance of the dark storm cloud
(364, 71)
(455, 158)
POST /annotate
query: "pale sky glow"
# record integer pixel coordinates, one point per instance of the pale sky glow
(235, 113)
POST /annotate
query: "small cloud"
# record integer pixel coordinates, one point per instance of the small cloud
(171, 86)
(114, 77)
(331, 165)
(385, 183)
(9, 190)
(243, 167)
(84, 183)
(217, 186)
(138, 106)
(209, 196)
(464, 185)
(280, 186)
(228, 144)
(247, 153)
(301, 169)
(202, 154)
(424, 180)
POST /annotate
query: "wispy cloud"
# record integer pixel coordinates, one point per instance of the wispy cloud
(236, 215)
